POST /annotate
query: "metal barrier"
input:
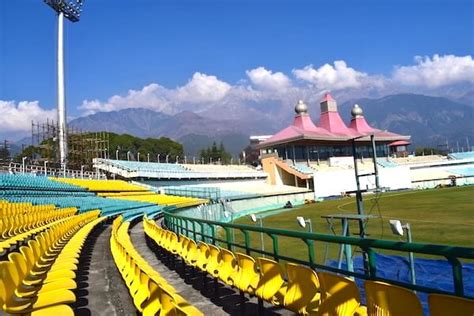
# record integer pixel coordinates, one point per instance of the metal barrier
(198, 228)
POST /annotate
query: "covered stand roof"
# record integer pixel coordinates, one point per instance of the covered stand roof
(331, 126)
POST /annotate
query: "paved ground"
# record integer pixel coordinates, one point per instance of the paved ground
(101, 290)
(192, 285)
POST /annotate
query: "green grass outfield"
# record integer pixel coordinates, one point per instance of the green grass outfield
(437, 216)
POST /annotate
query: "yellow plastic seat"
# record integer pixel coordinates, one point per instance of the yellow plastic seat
(214, 261)
(246, 277)
(441, 305)
(203, 256)
(302, 294)
(192, 253)
(11, 303)
(339, 296)
(271, 281)
(391, 300)
(228, 266)
(62, 310)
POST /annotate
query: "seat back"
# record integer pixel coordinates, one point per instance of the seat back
(339, 295)
(203, 256)
(19, 262)
(183, 249)
(227, 266)
(303, 288)
(192, 252)
(441, 305)
(214, 260)
(246, 278)
(271, 279)
(391, 300)
(9, 281)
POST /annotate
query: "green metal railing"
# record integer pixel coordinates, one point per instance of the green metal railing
(208, 231)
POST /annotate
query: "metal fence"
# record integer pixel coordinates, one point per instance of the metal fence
(224, 234)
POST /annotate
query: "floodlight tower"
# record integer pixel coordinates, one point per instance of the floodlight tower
(71, 9)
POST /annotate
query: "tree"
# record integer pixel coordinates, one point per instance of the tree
(215, 154)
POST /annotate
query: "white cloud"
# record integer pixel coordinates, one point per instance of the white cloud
(329, 77)
(437, 71)
(202, 92)
(202, 88)
(267, 80)
(150, 96)
(17, 117)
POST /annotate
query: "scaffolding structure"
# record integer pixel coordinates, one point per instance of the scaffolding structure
(83, 146)
(5, 153)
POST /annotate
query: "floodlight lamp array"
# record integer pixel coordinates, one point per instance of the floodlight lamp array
(70, 8)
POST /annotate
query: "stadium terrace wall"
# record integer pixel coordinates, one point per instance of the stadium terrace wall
(244, 207)
(332, 183)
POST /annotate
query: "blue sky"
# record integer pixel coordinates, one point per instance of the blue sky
(122, 45)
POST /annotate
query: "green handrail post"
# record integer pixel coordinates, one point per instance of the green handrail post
(181, 225)
(457, 275)
(372, 263)
(246, 241)
(276, 252)
(201, 229)
(213, 234)
(193, 223)
(228, 238)
(311, 255)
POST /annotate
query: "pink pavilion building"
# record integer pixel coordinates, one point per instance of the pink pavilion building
(304, 140)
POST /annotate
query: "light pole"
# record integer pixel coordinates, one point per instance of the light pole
(303, 221)
(71, 9)
(138, 156)
(148, 157)
(158, 158)
(23, 164)
(44, 164)
(399, 229)
(117, 154)
(254, 219)
(128, 155)
(82, 171)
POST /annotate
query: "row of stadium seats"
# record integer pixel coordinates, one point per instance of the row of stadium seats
(151, 294)
(101, 185)
(173, 170)
(84, 204)
(147, 166)
(19, 223)
(303, 290)
(39, 279)
(303, 168)
(32, 182)
(219, 168)
(159, 199)
(462, 155)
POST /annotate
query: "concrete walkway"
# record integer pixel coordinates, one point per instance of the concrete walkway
(193, 287)
(101, 290)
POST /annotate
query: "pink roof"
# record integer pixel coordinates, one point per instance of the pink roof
(331, 128)
(332, 122)
(327, 97)
(360, 125)
(399, 143)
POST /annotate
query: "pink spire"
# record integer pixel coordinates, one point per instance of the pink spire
(327, 97)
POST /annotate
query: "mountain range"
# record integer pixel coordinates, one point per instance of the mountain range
(430, 121)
